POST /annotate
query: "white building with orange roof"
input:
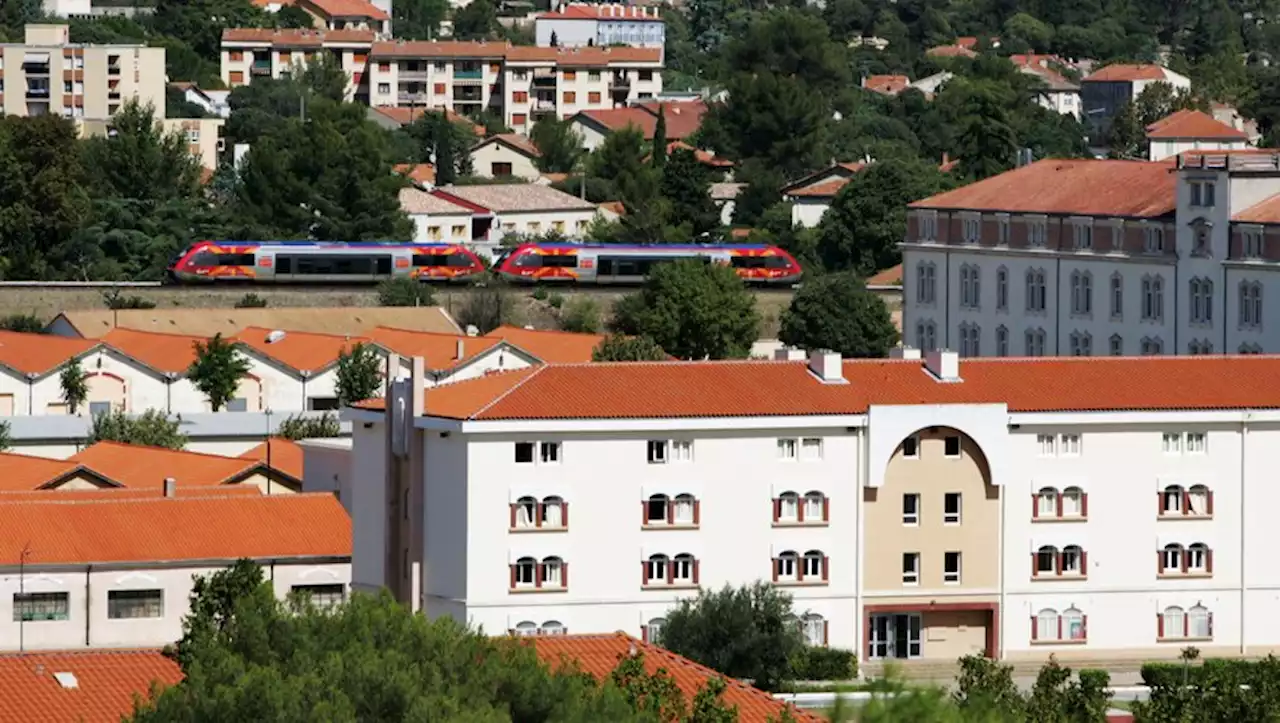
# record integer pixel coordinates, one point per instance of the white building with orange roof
(609, 24)
(1098, 257)
(1191, 130)
(915, 508)
(1104, 91)
(255, 52)
(94, 570)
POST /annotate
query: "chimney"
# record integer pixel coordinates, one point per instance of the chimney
(826, 365)
(943, 364)
(461, 350)
(170, 487)
(472, 330)
(787, 353)
(904, 352)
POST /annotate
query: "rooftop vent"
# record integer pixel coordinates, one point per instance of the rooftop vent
(827, 366)
(904, 352)
(67, 680)
(472, 330)
(170, 487)
(462, 350)
(943, 364)
(275, 336)
(787, 353)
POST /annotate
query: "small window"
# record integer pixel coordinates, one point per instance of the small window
(1048, 445)
(317, 404)
(682, 451)
(951, 509)
(322, 596)
(549, 452)
(951, 568)
(524, 452)
(1172, 443)
(788, 507)
(657, 452)
(41, 606)
(657, 510)
(910, 568)
(911, 448)
(787, 449)
(96, 408)
(128, 604)
(1195, 442)
(239, 404)
(911, 509)
(811, 449)
(1070, 445)
(952, 446)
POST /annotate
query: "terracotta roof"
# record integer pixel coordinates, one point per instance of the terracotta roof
(299, 350)
(1053, 80)
(163, 352)
(575, 11)
(95, 323)
(285, 456)
(771, 388)
(1193, 124)
(406, 115)
(552, 347)
(138, 466)
(350, 9)
(516, 142)
(39, 354)
(617, 208)
(706, 158)
(422, 173)
(438, 49)
(1083, 186)
(164, 529)
(951, 51)
(416, 200)
(514, 197)
(886, 84)
(601, 57)
(889, 277)
(106, 683)
(1265, 211)
(599, 655)
(124, 493)
(24, 473)
(1124, 72)
(825, 189)
(296, 38)
(683, 118)
(826, 182)
(438, 351)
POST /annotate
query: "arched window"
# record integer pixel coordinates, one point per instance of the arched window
(1171, 500)
(1073, 624)
(658, 510)
(1002, 289)
(1172, 558)
(552, 512)
(1046, 625)
(1199, 622)
(524, 572)
(815, 506)
(1047, 560)
(788, 507)
(1199, 558)
(1073, 560)
(1173, 622)
(526, 628)
(1073, 502)
(815, 565)
(684, 569)
(657, 570)
(1047, 502)
(652, 632)
(553, 627)
(814, 628)
(786, 566)
(1199, 500)
(685, 507)
(552, 572)
(526, 512)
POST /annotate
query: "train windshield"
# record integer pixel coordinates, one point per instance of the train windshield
(178, 257)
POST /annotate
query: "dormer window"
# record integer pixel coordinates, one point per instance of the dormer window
(1251, 243)
(1203, 193)
(972, 229)
(1083, 232)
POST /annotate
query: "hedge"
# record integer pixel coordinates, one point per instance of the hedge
(824, 664)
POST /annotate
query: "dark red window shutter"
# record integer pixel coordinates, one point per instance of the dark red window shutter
(696, 565)
(826, 509)
(697, 512)
(564, 514)
(513, 575)
(826, 567)
(777, 509)
(564, 575)
(513, 516)
(1035, 627)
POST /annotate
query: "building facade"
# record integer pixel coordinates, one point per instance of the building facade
(915, 508)
(47, 74)
(578, 24)
(1105, 91)
(1096, 257)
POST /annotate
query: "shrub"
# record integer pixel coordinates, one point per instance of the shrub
(540, 293)
(116, 300)
(581, 315)
(29, 323)
(1172, 674)
(824, 664)
(556, 300)
(404, 291)
(251, 301)
(299, 427)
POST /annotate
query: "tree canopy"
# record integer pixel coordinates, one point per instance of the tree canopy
(217, 370)
(693, 310)
(837, 313)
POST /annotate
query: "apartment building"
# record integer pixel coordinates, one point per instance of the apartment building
(1099, 257)
(254, 52)
(48, 74)
(610, 24)
(1192, 130)
(914, 508)
(1106, 90)
(82, 570)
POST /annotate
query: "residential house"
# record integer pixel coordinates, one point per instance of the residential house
(280, 454)
(392, 118)
(683, 119)
(720, 167)
(213, 102)
(490, 212)
(47, 74)
(138, 467)
(508, 155)
(610, 24)
(924, 507)
(421, 175)
(1057, 93)
(1191, 130)
(348, 15)
(811, 196)
(85, 570)
(1231, 116)
(437, 219)
(931, 84)
(886, 84)
(260, 52)
(1104, 91)
(725, 196)
(203, 136)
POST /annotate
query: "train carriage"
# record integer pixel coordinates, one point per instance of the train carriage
(606, 264)
(306, 262)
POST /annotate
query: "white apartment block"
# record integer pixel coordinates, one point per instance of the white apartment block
(47, 74)
(253, 52)
(610, 24)
(1099, 257)
(919, 509)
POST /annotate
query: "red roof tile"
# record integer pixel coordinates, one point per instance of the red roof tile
(886, 84)
(24, 473)
(1082, 186)
(824, 189)
(683, 118)
(1124, 72)
(889, 277)
(299, 350)
(39, 354)
(65, 531)
(515, 141)
(296, 38)
(162, 352)
(283, 454)
(349, 9)
(1265, 211)
(706, 158)
(439, 49)
(137, 466)
(773, 388)
(951, 51)
(406, 115)
(123, 493)
(1193, 124)
(599, 655)
(106, 683)
(552, 347)
(439, 351)
(421, 173)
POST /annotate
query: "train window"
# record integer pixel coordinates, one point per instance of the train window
(384, 265)
(421, 260)
(284, 265)
(529, 261)
(460, 261)
(334, 265)
(204, 258)
(748, 262)
(775, 262)
(234, 260)
(564, 262)
(604, 267)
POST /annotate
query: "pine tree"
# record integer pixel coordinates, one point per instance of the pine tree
(359, 374)
(217, 371)
(75, 387)
(660, 139)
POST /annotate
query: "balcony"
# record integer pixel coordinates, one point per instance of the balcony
(36, 68)
(619, 82)
(544, 78)
(113, 65)
(37, 91)
(469, 76)
(544, 104)
(261, 67)
(468, 95)
(413, 98)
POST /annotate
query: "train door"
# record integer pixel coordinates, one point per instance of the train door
(382, 267)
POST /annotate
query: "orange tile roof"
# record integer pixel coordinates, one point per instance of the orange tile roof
(24, 473)
(1125, 72)
(39, 354)
(706, 158)
(438, 49)
(552, 347)
(296, 38)
(599, 655)
(124, 493)
(406, 115)
(889, 277)
(1081, 186)
(1265, 211)
(515, 141)
(615, 207)
(951, 51)
(886, 84)
(163, 352)
(421, 173)
(645, 390)
(349, 9)
(163, 529)
(683, 118)
(439, 351)
(300, 350)
(138, 466)
(286, 455)
(1189, 123)
(825, 189)
(106, 683)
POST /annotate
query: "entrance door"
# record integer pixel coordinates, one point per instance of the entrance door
(895, 636)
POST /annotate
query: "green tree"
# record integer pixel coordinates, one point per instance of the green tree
(217, 371)
(404, 291)
(44, 202)
(477, 20)
(620, 161)
(868, 218)
(581, 315)
(745, 632)
(292, 16)
(836, 312)
(986, 686)
(660, 138)
(299, 427)
(686, 186)
(558, 143)
(189, 21)
(772, 118)
(359, 375)
(986, 143)
(75, 385)
(26, 323)
(1025, 33)
(1126, 135)
(6, 437)
(152, 428)
(693, 310)
(619, 348)
(488, 306)
(419, 19)
(444, 144)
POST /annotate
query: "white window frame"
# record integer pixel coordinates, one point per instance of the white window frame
(952, 518)
(911, 518)
(788, 449)
(1251, 243)
(1002, 289)
(549, 452)
(1069, 445)
(811, 449)
(1002, 341)
(657, 451)
(951, 576)
(911, 568)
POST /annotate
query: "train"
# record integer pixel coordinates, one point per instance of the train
(312, 262)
